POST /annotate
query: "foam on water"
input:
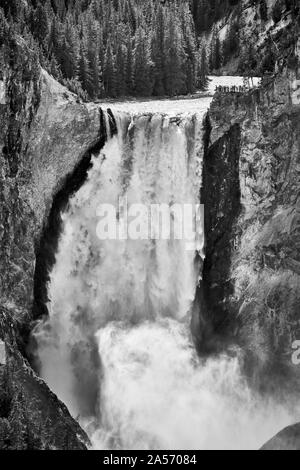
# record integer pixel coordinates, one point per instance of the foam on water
(179, 107)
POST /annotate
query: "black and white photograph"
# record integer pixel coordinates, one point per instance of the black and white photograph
(149, 228)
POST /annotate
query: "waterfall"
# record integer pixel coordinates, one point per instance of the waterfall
(117, 347)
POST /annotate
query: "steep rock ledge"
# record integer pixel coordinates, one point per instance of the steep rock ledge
(45, 135)
(252, 274)
(60, 134)
(220, 195)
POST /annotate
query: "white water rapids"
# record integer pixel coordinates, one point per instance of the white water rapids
(117, 347)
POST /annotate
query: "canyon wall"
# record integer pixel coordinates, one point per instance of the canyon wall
(250, 292)
(45, 134)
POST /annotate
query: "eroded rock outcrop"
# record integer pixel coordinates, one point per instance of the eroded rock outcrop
(45, 134)
(252, 271)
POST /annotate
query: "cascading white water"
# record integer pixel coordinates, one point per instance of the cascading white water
(117, 347)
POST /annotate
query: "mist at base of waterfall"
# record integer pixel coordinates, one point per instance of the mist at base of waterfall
(157, 394)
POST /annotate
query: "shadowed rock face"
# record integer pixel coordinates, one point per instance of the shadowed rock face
(61, 132)
(252, 276)
(250, 293)
(45, 133)
(220, 196)
(31, 416)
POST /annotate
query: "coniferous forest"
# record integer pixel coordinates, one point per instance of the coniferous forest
(115, 48)
(111, 48)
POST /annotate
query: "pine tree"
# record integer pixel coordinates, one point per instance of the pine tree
(52, 40)
(10, 8)
(158, 53)
(129, 69)
(54, 69)
(95, 73)
(248, 60)
(175, 57)
(202, 78)
(60, 8)
(84, 74)
(109, 71)
(121, 85)
(41, 27)
(68, 52)
(189, 45)
(143, 64)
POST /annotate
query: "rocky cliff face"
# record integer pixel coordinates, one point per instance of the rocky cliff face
(251, 196)
(45, 135)
(268, 30)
